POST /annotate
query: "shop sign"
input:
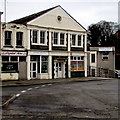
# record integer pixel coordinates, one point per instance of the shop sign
(6, 53)
(106, 49)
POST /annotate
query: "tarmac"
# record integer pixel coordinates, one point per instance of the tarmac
(15, 83)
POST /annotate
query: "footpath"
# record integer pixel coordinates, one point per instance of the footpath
(12, 83)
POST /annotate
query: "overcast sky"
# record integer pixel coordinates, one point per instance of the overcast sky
(85, 12)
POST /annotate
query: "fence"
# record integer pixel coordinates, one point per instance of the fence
(100, 72)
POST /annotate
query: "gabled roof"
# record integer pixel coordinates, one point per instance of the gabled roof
(26, 19)
(29, 18)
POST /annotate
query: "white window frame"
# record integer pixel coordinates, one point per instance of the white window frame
(76, 40)
(59, 32)
(38, 37)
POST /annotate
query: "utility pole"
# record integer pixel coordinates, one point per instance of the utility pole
(0, 43)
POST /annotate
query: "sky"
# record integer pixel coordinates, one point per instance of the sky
(86, 12)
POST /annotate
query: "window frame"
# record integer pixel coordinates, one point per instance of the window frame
(76, 40)
(19, 37)
(6, 38)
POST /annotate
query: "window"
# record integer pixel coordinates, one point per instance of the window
(8, 37)
(19, 38)
(105, 56)
(5, 58)
(77, 63)
(44, 64)
(35, 36)
(73, 39)
(42, 37)
(14, 58)
(79, 40)
(62, 37)
(55, 38)
(92, 58)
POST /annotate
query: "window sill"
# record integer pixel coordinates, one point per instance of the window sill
(19, 47)
(10, 46)
(39, 44)
(59, 45)
(77, 46)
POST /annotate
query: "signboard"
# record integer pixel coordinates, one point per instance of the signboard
(8, 53)
(38, 53)
(106, 49)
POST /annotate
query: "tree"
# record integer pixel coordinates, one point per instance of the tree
(99, 34)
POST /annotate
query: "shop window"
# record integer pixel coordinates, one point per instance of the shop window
(77, 63)
(55, 38)
(14, 58)
(92, 58)
(42, 37)
(62, 37)
(19, 38)
(22, 58)
(35, 36)
(5, 58)
(8, 37)
(10, 67)
(44, 64)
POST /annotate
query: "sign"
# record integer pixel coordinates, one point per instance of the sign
(105, 49)
(38, 53)
(8, 53)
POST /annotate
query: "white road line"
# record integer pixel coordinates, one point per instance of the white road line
(23, 91)
(49, 84)
(43, 86)
(17, 95)
(29, 88)
(36, 87)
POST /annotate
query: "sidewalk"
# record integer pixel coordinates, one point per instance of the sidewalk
(49, 81)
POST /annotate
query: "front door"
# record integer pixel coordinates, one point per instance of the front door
(33, 69)
(59, 70)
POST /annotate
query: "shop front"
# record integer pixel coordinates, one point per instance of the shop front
(11, 62)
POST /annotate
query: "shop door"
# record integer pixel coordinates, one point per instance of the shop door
(59, 70)
(33, 69)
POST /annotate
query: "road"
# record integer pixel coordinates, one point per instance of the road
(66, 101)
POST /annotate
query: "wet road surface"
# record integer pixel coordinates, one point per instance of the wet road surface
(69, 101)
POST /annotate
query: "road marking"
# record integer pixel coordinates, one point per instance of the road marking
(29, 88)
(36, 87)
(49, 84)
(17, 95)
(43, 86)
(23, 91)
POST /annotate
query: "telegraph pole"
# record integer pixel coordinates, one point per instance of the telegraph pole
(0, 44)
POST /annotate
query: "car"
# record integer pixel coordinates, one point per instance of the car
(119, 75)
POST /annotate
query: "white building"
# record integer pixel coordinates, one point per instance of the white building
(46, 45)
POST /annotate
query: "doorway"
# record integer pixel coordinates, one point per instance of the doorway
(33, 70)
(59, 69)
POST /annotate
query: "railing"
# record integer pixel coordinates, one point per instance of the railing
(100, 72)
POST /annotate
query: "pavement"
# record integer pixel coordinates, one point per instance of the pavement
(13, 83)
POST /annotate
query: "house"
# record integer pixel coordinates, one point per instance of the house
(46, 45)
(101, 61)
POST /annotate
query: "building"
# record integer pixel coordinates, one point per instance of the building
(101, 61)
(46, 45)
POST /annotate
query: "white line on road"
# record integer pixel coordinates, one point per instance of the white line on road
(29, 88)
(43, 86)
(17, 95)
(36, 87)
(49, 84)
(23, 91)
